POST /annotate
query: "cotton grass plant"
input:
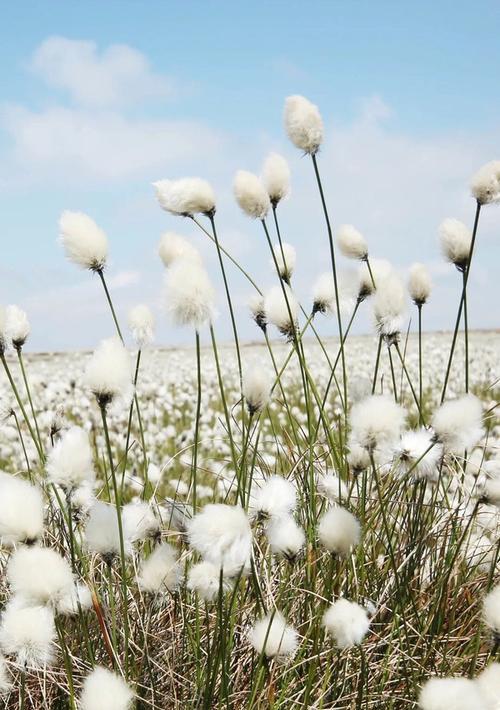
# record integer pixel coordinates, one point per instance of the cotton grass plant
(310, 522)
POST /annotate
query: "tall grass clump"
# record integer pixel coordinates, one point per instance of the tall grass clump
(305, 522)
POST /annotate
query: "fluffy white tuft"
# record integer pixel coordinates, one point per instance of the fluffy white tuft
(85, 244)
(455, 240)
(485, 184)
(70, 462)
(419, 284)
(389, 307)
(161, 571)
(28, 634)
(488, 682)
(139, 521)
(376, 421)
(17, 326)
(105, 689)
(189, 294)
(332, 487)
(205, 580)
(172, 247)
(102, 533)
(251, 194)
(276, 178)
(286, 257)
(21, 511)
(303, 124)
(76, 598)
(256, 389)
(285, 537)
(273, 498)
(282, 309)
(39, 574)
(6, 680)
(451, 694)
(142, 325)
(380, 269)
(351, 243)
(339, 531)
(347, 622)
(185, 197)
(458, 423)
(274, 638)
(109, 371)
(414, 452)
(491, 610)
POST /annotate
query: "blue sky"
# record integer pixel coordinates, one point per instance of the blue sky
(408, 93)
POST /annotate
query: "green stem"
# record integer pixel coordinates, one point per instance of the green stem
(28, 392)
(110, 302)
(194, 468)
(420, 379)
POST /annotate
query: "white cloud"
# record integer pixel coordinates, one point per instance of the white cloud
(118, 75)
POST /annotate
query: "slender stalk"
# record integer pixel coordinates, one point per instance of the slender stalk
(407, 374)
(21, 406)
(462, 299)
(377, 363)
(110, 302)
(466, 334)
(393, 375)
(28, 392)
(420, 378)
(194, 467)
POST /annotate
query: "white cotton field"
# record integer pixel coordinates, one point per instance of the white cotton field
(300, 522)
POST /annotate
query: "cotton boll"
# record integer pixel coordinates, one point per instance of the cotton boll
(6, 680)
(276, 178)
(351, 243)
(456, 241)
(251, 195)
(274, 638)
(70, 462)
(285, 537)
(324, 297)
(339, 531)
(21, 511)
(161, 571)
(85, 244)
(332, 487)
(491, 610)
(451, 694)
(77, 598)
(101, 532)
(189, 294)
(256, 305)
(205, 580)
(176, 515)
(303, 124)
(488, 682)
(17, 326)
(256, 389)
(282, 309)
(274, 498)
(380, 270)
(419, 452)
(28, 634)
(185, 197)
(286, 257)
(221, 534)
(173, 247)
(109, 371)
(376, 421)
(358, 457)
(142, 325)
(389, 307)
(105, 689)
(347, 622)
(458, 423)
(419, 284)
(485, 184)
(139, 522)
(39, 574)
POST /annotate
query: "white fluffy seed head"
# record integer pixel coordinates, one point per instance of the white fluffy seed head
(286, 258)
(189, 294)
(282, 309)
(488, 682)
(251, 194)
(142, 325)
(389, 307)
(172, 247)
(485, 184)
(285, 537)
(347, 622)
(6, 680)
(339, 531)
(376, 421)
(274, 638)
(380, 270)
(28, 634)
(273, 498)
(351, 243)
(70, 462)
(205, 580)
(257, 309)
(102, 533)
(161, 571)
(4, 336)
(491, 610)
(77, 598)
(139, 522)
(455, 239)
(85, 244)
(303, 124)
(17, 326)
(21, 511)
(256, 389)
(332, 487)
(276, 178)
(39, 574)
(221, 534)
(458, 423)
(451, 693)
(419, 284)
(418, 452)
(185, 197)
(109, 371)
(105, 689)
